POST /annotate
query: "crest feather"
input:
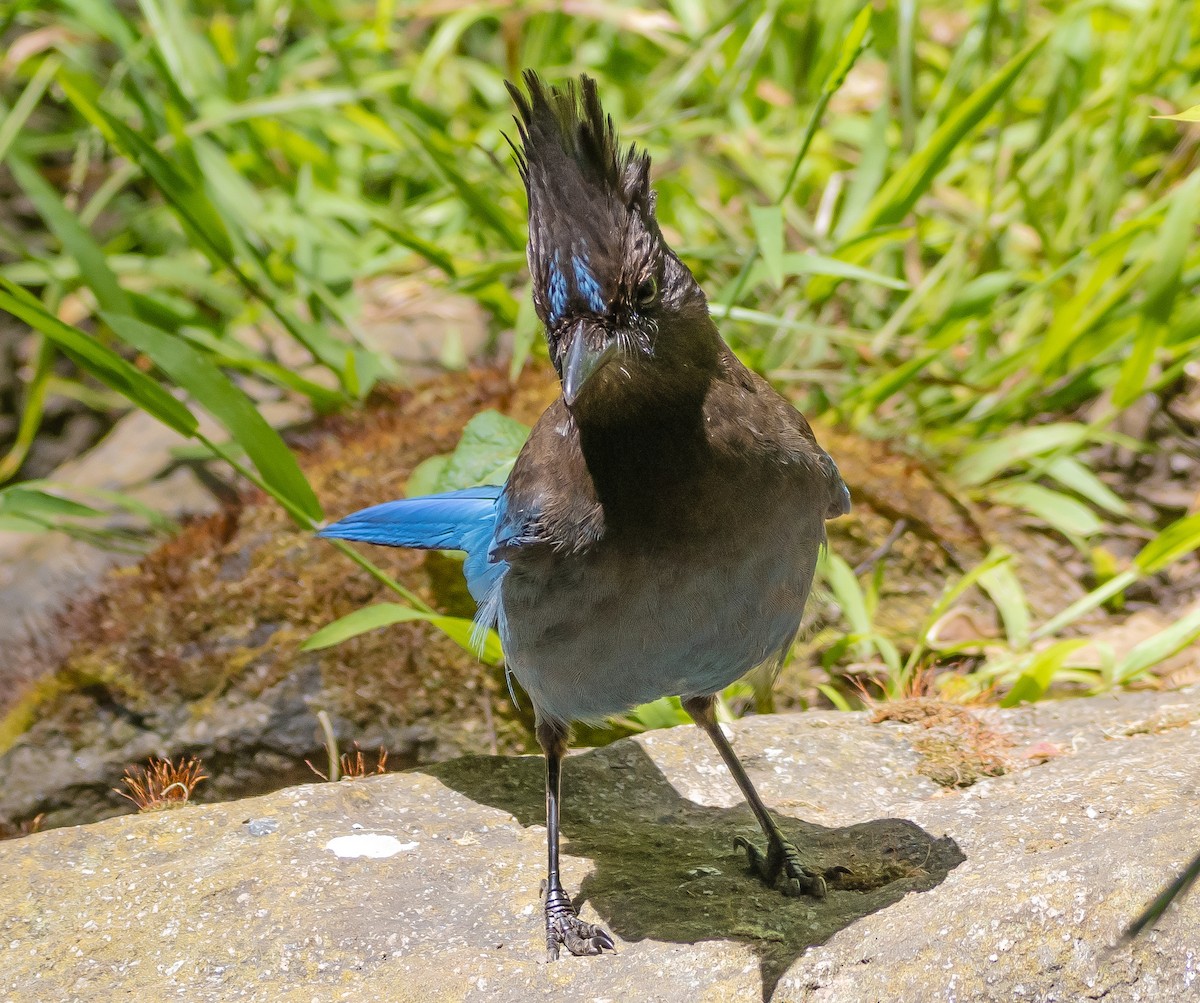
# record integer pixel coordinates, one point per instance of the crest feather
(566, 137)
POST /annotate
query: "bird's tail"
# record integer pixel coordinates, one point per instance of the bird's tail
(457, 520)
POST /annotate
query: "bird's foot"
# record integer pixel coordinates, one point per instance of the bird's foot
(565, 929)
(783, 859)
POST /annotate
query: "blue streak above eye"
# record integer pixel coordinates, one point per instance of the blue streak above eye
(586, 283)
(557, 291)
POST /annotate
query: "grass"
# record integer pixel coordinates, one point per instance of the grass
(964, 228)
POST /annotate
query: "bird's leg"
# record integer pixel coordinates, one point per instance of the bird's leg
(564, 928)
(781, 856)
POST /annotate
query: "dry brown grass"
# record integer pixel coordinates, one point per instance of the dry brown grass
(354, 765)
(162, 783)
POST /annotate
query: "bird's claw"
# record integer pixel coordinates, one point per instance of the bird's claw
(565, 929)
(783, 860)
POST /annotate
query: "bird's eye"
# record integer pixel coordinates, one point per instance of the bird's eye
(647, 291)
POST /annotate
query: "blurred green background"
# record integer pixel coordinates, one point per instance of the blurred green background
(965, 229)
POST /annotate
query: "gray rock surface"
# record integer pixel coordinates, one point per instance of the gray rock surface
(1016, 887)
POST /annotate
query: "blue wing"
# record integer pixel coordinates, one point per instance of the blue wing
(458, 520)
(475, 520)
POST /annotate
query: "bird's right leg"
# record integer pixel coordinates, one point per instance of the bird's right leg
(564, 928)
(781, 859)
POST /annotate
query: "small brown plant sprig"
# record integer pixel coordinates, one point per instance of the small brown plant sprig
(162, 784)
(354, 765)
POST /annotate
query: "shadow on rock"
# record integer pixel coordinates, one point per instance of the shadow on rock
(666, 868)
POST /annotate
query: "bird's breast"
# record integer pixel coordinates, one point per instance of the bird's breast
(685, 606)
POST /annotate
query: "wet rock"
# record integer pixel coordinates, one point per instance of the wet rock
(423, 885)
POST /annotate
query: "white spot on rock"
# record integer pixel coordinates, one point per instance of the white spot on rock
(368, 844)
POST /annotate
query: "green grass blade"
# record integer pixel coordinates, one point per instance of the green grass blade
(101, 362)
(211, 388)
(1159, 647)
(902, 189)
(75, 239)
(15, 119)
(369, 618)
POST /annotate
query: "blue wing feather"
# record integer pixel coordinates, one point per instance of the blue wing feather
(474, 520)
(457, 520)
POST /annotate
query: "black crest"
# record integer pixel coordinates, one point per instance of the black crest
(567, 140)
(593, 239)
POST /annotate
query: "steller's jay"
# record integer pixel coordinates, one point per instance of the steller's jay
(658, 532)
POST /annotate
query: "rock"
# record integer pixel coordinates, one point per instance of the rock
(423, 885)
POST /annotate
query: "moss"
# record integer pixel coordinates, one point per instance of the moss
(26, 710)
(957, 748)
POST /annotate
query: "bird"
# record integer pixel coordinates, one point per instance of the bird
(659, 530)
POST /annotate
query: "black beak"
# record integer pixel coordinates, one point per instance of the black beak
(583, 362)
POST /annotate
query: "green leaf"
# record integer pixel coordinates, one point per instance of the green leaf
(426, 477)
(1070, 517)
(185, 193)
(196, 374)
(21, 524)
(154, 519)
(75, 239)
(665, 712)
(485, 453)
(1081, 607)
(845, 588)
(25, 502)
(1004, 589)
(231, 355)
(948, 597)
(1070, 473)
(851, 48)
(1161, 646)
(30, 98)
(1135, 373)
(525, 332)
(807, 263)
(768, 229)
(380, 615)
(1181, 537)
(1191, 114)
(905, 185)
(101, 362)
(1039, 672)
(981, 463)
(1175, 240)
(868, 174)
(978, 296)
(445, 158)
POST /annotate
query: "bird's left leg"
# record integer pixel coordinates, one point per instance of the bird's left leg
(781, 857)
(564, 928)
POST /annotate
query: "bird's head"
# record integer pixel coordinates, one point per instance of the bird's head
(624, 317)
